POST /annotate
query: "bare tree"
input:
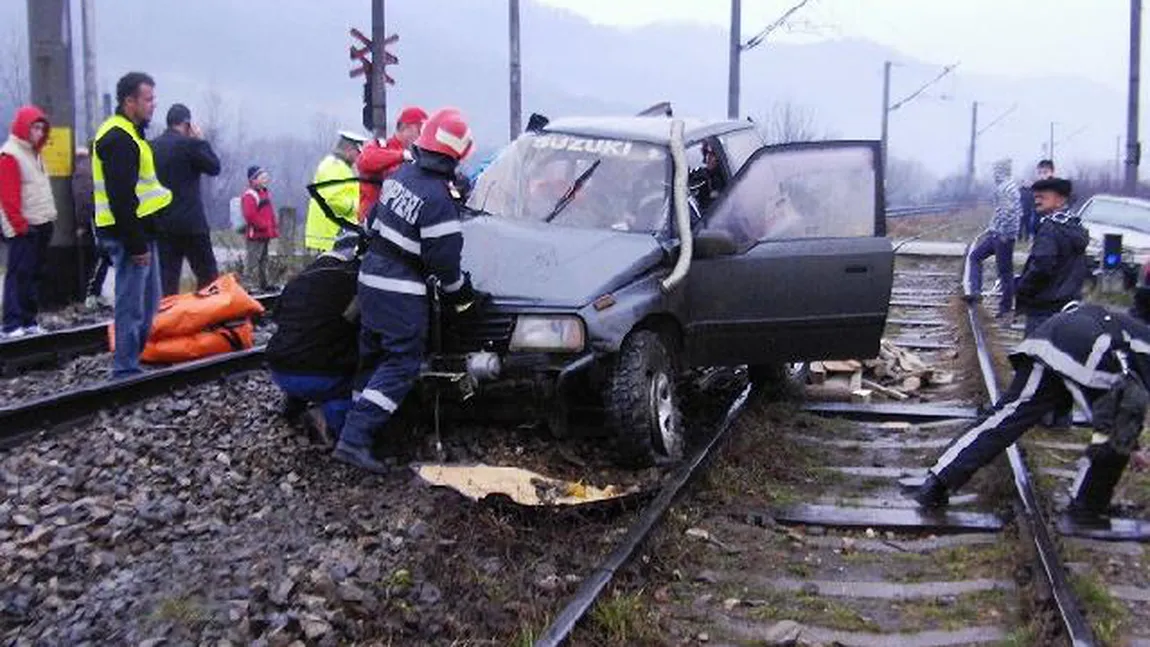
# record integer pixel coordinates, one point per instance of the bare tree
(908, 182)
(14, 84)
(786, 122)
(224, 128)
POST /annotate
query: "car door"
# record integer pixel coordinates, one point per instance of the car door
(811, 277)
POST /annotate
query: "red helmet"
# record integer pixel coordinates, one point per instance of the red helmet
(446, 133)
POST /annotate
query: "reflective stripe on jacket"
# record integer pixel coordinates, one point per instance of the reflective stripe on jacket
(343, 199)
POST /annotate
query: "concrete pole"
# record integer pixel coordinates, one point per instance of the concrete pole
(1133, 146)
(516, 99)
(378, 86)
(735, 56)
(1050, 146)
(91, 91)
(885, 112)
(971, 152)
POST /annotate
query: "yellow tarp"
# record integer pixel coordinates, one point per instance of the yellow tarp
(522, 486)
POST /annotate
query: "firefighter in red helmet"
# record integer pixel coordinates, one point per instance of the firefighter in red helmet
(379, 160)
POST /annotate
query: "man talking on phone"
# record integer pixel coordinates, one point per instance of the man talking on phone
(182, 157)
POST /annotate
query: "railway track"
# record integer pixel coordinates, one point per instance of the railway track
(826, 550)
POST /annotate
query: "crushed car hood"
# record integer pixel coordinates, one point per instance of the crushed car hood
(552, 266)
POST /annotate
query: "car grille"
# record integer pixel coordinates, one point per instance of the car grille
(492, 332)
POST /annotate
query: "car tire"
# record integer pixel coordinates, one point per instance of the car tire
(779, 381)
(642, 401)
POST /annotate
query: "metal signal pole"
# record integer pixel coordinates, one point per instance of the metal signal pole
(885, 111)
(1133, 146)
(735, 62)
(91, 91)
(378, 56)
(516, 99)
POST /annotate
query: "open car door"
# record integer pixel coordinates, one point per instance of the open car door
(809, 274)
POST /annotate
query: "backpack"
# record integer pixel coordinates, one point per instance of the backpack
(1120, 412)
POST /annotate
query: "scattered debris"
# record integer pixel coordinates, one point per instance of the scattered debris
(896, 374)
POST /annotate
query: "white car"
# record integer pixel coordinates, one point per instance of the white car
(1126, 217)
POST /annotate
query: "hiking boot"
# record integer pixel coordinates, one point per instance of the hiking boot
(293, 408)
(359, 457)
(316, 425)
(931, 494)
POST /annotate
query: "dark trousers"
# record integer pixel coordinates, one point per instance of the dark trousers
(987, 245)
(1036, 391)
(257, 261)
(1035, 318)
(25, 270)
(99, 272)
(197, 248)
(331, 392)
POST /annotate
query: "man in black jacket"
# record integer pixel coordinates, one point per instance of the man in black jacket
(1056, 268)
(182, 156)
(315, 349)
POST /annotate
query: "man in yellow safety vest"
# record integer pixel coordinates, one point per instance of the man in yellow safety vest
(342, 198)
(128, 196)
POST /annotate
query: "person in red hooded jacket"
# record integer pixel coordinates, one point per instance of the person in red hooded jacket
(27, 214)
(260, 216)
(378, 161)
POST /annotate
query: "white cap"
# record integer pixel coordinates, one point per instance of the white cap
(353, 136)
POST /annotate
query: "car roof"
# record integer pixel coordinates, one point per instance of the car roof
(1108, 197)
(654, 130)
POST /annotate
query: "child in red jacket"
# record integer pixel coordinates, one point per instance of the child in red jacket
(260, 216)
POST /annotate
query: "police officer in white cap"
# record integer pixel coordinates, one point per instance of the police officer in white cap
(343, 198)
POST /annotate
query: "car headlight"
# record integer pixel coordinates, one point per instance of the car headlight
(553, 334)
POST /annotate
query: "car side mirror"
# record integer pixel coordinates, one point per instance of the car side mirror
(710, 243)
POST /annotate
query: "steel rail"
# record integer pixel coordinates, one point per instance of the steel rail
(21, 421)
(595, 583)
(55, 347)
(1070, 610)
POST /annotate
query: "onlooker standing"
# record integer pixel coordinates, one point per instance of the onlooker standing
(128, 195)
(1044, 171)
(85, 211)
(997, 240)
(260, 216)
(182, 156)
(378, 161)
(342, 197)
(27, 214)
(1056, 268)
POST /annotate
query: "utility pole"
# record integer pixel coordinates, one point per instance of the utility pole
(91, 92)
(1050, 147)
(50, 63)
(378, 70)
(1117, 160)
(1133, 146)
(516, 101)
(735, 59)
(971, 152)
(885, 112)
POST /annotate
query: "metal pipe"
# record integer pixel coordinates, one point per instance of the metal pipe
(682, 213)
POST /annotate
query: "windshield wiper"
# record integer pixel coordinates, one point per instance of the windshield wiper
(569, 194)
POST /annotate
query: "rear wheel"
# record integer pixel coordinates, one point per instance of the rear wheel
(642, 401)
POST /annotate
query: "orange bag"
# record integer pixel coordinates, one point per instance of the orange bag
(228, 337)
(187, 314)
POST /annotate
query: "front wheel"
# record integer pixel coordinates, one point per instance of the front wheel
(642, 401)
(779, 381)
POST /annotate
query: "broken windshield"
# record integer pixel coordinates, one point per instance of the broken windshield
(576, 181)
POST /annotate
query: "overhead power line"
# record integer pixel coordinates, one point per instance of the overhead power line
(758, 38)
(945, 71)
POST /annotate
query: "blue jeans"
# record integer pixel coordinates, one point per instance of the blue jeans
(137, 300)
(21, 282)
(986, 245)
(331, 392)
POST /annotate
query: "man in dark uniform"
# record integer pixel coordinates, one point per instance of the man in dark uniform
(416, 236)
(1075, 357)
(707, 183)
(1056, 268)
(314, 352)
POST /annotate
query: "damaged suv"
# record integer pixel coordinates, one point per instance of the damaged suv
(622, 252)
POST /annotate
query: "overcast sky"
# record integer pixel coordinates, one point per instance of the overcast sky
(1086, 38)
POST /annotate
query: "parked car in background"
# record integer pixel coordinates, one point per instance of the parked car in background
(1127, 222)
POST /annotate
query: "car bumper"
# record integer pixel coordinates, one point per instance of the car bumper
(474, 374)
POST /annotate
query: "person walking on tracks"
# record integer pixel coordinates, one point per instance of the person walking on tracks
(128, 195)
(997, 241)
(27, 217)
(1056, 268)
(260, 217)
(314, 352)
(415, 236)
(1084, 355)
(183, 156)
(343, 198)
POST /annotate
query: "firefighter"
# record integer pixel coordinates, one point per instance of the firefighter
(343, 198)
(1056, 268)
(415, 235)
(313, 354)
(377, 161)
(1078, 356)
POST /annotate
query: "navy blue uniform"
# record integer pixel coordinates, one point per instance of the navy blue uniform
(416, 234)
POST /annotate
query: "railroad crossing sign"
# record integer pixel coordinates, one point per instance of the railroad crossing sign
(362, 53)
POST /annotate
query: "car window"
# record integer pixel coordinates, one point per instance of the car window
(821, 191)
(706, 180)
(1115, 213)
(739, 146)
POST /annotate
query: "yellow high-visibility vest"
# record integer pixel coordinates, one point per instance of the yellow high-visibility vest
(153, 196)
(320, 233)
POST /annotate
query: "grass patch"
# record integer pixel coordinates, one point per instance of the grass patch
(983, 607)
(182, 611)
(1107, 615)
(624, 619)
(813, 610)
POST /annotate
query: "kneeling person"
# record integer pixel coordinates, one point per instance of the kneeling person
(314, 351)
(1081, 356)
